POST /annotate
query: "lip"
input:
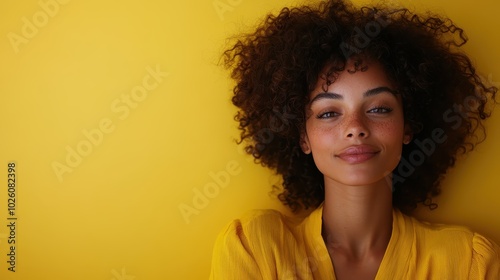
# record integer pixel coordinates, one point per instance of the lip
(357, 153)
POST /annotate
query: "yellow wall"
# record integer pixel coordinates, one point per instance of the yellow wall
(116, 114)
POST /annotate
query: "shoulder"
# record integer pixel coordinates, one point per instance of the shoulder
(485, 258)
(247, 247)
(257, 225)
(454, 235)
(432, 242)
(441, 232)
(457, 246)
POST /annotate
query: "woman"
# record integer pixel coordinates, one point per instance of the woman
(361, 111)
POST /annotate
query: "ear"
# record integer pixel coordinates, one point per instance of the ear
(304, 143)
(408, 135)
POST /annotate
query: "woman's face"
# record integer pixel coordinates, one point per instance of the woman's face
(355, 130)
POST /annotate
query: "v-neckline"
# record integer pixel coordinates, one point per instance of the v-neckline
(396, 256)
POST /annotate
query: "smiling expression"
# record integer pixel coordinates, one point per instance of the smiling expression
(355, 127)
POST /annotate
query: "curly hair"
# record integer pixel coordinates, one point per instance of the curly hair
(277, 66)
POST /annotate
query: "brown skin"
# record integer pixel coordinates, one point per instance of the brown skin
(356, 141)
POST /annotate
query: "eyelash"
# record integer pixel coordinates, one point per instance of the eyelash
(385, 110)
(322, 115)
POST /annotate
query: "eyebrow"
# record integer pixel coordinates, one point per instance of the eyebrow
(370, 92)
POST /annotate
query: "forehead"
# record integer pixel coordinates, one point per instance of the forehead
(353, 79)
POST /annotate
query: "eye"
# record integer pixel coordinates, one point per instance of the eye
(328, 115)
(380, 110)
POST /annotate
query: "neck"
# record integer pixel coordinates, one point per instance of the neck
(357, 219)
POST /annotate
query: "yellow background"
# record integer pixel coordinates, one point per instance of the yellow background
(116, 214)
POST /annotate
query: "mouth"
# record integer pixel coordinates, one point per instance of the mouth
(357, 154)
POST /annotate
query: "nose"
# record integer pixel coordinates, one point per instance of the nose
(356, 127)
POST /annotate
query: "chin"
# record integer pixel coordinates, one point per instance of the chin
(362, 180)
(359, 183)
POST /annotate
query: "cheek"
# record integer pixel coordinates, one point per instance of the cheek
(390, 136)
(322, 137)
(393, 130)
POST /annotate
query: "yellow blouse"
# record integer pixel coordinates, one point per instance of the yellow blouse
(268, 245)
